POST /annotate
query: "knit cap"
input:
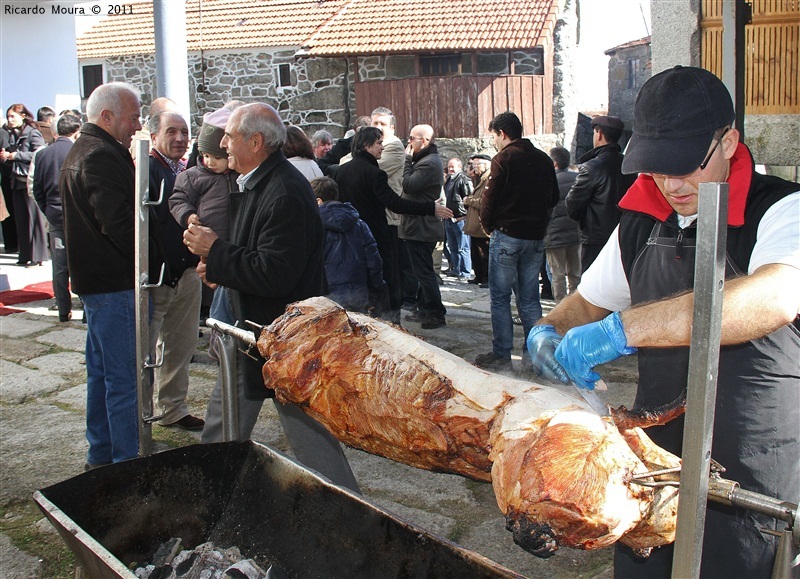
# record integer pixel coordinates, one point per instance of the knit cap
(212, 131)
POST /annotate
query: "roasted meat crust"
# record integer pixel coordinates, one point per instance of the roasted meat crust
(390, 403)
(562, 475)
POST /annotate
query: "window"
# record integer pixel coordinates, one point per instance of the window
(633, 69)
(445, 65)
(92, 78)
(284, 75)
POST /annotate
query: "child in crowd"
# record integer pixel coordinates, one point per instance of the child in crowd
(353, 265)
(201, 193)
(201, 196)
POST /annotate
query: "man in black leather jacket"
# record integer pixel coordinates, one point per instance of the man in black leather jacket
(599, 186)
(457, 188)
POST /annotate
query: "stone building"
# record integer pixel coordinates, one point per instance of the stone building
(321, 64)
(629, 68)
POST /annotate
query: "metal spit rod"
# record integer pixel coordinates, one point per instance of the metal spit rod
(709, 278)
(227, 363)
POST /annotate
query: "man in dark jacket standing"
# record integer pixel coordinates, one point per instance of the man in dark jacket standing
(175, 312)
(598, 188)
(514, 211)
(422, 181)
(457, 188)
(274, 257)
(97, 190)
(45, 190)
(562, 243)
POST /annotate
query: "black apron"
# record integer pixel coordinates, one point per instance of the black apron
(756, 418)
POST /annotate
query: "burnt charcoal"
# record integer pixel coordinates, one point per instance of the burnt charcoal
(166, 552)
(205, 562)
(245, 569)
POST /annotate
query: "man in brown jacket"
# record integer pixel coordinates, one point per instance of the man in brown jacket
(516, 204)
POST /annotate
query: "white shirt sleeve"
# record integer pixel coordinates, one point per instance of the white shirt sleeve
(778, 235)
(604, 284)
(778, 241)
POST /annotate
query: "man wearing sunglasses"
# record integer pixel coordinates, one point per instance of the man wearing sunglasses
(638, 294)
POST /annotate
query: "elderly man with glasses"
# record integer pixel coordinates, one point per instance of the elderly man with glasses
(638, 294)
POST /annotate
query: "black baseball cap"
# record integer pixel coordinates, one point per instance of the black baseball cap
(675, 117)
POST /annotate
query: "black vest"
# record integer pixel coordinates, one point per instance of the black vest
(757, 415)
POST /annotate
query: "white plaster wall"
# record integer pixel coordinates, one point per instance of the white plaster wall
(38, 58)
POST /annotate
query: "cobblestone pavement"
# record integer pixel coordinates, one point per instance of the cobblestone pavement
(42, 406)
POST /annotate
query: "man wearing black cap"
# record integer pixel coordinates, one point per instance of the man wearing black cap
(599, 186)
(683, 136)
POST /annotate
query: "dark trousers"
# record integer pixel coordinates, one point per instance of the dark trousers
(589, 252)
(9, 224)
(479, 251)
(31, 228)
(408, 281)
(58, 253)
(429, 304)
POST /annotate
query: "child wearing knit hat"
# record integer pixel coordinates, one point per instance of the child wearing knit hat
(201, 193)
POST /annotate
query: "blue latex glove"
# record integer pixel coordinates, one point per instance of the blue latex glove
(542, 343)
(585, 347)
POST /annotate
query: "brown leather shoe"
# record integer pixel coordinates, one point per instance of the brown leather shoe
(188, 422)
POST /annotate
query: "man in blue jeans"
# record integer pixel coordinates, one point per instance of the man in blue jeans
(97, 187)
(518, 198)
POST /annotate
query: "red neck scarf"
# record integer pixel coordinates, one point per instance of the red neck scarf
(645, 197)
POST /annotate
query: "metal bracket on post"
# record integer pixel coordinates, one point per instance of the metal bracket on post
(709, 279)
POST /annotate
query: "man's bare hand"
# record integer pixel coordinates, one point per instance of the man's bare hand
(199, 239)
(201, 272)
(443, 212)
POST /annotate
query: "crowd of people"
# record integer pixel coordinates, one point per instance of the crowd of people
(265, 215)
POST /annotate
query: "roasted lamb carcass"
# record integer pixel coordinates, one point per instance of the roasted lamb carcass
(561, 473)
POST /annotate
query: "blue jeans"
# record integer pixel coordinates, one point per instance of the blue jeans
(112, 426)
(458, 244)
(513, 265)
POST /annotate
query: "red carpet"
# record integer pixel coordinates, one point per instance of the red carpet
(32, 293)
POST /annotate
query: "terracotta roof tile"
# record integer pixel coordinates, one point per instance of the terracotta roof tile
(226, 24)
(334, 27)
(392, 26)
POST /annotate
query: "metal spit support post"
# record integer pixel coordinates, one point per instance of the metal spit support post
(144, 384)
(227, 366)
(709, 280)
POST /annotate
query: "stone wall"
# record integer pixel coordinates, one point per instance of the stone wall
(675, 32)
(314, 101)
(565, 107)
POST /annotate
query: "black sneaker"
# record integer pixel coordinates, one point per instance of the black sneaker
(516, 320)
(433, 323)
(491, 362)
